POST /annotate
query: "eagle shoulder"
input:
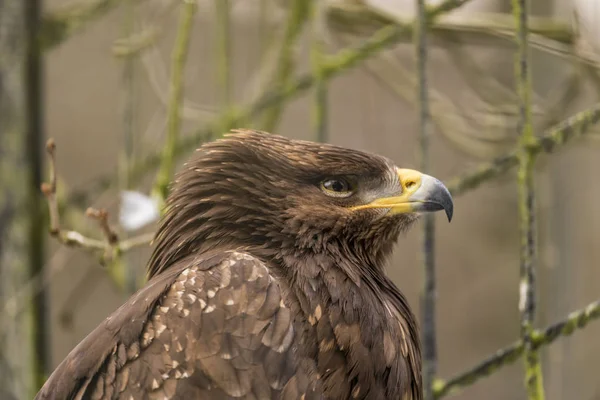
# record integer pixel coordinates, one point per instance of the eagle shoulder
(209, 327)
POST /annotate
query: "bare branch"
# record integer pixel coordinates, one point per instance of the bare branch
(428, 294)
(101, 216)
(527, 287)
(68, 238)
(75, 239)
(571, 128)
(298, 15)
(574, 321)
(178, 62)
(317, 53)
(223, 54)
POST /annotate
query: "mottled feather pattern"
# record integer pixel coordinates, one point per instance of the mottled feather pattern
(217, 332)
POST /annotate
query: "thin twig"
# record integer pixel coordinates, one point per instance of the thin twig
(574, 321)
(264, 34)
(298, 14)
(68, 238)
(527, 286)
(129, 122)
(428, 295)
(571, 128)
(178, 63)
(33, 86)
(269, 51)
(158, 79)
(223, 50)
(75, 239)
(101, 215)
(316, 57)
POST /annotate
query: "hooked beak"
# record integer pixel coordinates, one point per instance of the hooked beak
(420, 193)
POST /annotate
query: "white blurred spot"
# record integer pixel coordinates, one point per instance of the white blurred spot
(137, 210)
(523, 295)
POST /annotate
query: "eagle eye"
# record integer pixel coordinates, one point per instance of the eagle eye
(336, 187)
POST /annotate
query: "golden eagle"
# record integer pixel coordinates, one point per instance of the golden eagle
(267, 282)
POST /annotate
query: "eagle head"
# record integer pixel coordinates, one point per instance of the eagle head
(275, 196)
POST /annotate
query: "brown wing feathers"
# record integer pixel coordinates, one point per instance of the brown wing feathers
(216, 332)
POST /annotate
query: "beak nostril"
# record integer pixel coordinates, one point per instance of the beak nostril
(410, 184)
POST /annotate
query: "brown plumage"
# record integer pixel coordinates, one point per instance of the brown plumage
(266, 282)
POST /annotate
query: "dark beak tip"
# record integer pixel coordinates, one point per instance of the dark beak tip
(447, 203)
(449, 213)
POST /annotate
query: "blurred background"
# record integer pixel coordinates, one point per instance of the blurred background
(100, 81)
